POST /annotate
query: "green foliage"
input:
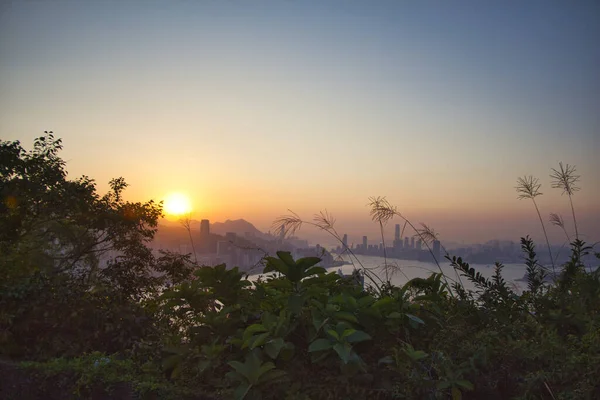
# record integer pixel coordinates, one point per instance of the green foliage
(77, 282)
(90, 374)
(253, 374)
(75, 270)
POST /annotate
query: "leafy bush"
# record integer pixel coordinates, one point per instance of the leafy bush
(298, 333)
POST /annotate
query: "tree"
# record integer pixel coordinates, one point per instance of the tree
(67, 252)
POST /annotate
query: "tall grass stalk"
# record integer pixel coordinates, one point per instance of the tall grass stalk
(565, 179)
(557, 220)
(382, 219)
(528, 187)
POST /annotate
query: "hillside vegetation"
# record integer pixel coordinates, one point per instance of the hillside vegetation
(152, 326)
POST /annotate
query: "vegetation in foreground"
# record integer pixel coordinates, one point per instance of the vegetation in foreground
(168, 328)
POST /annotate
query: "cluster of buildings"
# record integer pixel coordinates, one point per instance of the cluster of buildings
(245, 251)
(407, 249)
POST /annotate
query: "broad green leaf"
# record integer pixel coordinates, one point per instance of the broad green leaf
(253, 365)
(235, 377)
(348, 332)
(395, 315)
(240, 368)
(263, 369)
(383, 302)
(252, 329)
(320, 345)
(295, 303)
(272, 376)
(259, 340)
(365, 301)
(346, 316)
(333, 334)
(275, 264)
(344, 351)
(273, 347)
(287, 258)
(307, 262)
(358, 336)
(332, 307)
(241, 391)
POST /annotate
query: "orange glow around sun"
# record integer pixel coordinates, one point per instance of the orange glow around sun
(177, 204)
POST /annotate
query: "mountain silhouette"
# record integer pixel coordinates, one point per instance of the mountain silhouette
(239, 226)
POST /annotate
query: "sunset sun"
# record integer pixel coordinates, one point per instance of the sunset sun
(177, 204)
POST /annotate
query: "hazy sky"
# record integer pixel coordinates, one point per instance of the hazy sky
(254, 107)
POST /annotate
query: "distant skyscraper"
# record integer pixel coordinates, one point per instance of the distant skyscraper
(204, 228)
(406, 243)
(412, 242)
(436, 249)
(365, 242)
(344, 242)
(419, 244)
(204, 236)
(397, 239)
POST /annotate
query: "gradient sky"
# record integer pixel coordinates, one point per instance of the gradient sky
(254, 107)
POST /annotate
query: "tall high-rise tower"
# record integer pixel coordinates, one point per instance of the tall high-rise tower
(412, 242)
(344, 242)
(204, 236)
(364, 243)
(436, 249)
(397, 244)
(204, 228)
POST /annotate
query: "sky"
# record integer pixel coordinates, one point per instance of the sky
(252, 108)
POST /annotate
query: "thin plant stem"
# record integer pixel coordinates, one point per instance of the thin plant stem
(574, 219)
(545, 235)
(565, 178)
(387, 275)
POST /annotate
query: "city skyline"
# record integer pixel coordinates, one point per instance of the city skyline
(253, 108)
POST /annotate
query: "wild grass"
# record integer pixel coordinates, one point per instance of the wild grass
(382, 212)
(528, 187)
(565, 178)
